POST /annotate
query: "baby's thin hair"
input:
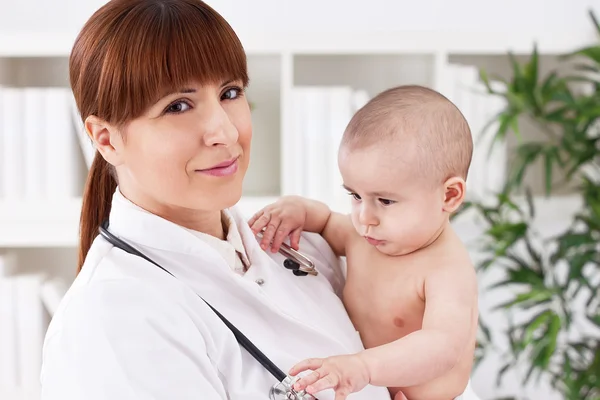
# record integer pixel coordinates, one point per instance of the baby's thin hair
(422, 117)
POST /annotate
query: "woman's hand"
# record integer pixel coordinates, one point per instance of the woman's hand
(344, 374)
(286, 217)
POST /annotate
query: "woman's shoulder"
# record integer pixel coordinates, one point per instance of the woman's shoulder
(109, 291)
(122, 336)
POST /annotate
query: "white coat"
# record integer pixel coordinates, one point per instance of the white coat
(128, 330)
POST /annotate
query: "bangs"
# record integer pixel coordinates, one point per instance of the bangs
(168, 45)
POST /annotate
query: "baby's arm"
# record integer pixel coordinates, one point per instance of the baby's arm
(290, 215)
(451, 307)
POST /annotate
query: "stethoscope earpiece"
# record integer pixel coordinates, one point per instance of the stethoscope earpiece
(294, 266)
(291, 264)
(297, 262)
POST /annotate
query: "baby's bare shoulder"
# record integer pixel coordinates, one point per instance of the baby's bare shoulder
(451, 264)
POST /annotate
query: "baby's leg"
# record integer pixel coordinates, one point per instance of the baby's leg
(400, 396)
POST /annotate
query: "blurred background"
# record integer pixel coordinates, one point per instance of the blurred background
(524, 73)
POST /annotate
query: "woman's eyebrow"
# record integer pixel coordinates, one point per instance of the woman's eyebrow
(181, 91)
(187, 90)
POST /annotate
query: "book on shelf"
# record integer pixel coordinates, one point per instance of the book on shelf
(320, 115)
(23, 324)
(40, 152)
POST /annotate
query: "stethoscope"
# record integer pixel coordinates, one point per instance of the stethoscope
(298, 263)
(295, 261)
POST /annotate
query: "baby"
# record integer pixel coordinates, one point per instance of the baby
(411, 289)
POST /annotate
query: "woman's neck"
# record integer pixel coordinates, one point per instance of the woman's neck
(209, 222)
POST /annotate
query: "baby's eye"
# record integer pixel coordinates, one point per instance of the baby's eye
(178, 107)
(386, 202)
(355, 196)
(231, 93)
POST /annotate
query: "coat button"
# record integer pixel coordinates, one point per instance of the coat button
(260, 282)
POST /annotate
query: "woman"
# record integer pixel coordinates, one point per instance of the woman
(160, 87)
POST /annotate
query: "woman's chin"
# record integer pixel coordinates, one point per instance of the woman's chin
(230, 197)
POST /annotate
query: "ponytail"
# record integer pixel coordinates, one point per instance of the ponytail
(97, 198)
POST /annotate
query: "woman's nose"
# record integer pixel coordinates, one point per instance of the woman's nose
(218, 128)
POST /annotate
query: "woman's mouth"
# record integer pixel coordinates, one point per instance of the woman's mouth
(225, 168)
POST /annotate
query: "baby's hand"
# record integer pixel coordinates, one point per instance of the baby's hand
(285, 217)
(345, 374)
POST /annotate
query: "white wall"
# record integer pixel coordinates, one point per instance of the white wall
(541, 19)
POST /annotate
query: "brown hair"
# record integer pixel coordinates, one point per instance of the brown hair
(440, 131)
(128, 54)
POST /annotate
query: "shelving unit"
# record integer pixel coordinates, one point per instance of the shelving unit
(43, 232)
(277, 64)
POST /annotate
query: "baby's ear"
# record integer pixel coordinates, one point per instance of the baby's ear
(454, 193)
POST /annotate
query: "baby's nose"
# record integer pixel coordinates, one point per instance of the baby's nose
(368, 218)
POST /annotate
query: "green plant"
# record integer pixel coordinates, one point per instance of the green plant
(555, 281)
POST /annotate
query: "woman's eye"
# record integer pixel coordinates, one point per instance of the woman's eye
(231, 93)
(178, 107)
(386, 202)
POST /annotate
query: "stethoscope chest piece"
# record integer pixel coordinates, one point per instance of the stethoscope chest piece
(284, 390)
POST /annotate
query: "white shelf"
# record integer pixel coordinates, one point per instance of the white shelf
(407, 42)
(36, 45)
(56, 224)
(39, 224)
(20, 393)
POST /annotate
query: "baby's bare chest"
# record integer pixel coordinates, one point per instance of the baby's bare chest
(383, 296)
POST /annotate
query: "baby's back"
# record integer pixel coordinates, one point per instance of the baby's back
(385, 298)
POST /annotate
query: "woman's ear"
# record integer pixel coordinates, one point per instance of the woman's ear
(454, 193)
(106, 138)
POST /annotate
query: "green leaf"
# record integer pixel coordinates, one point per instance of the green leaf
(594, 21)
(485, 264)
(549, 156)
(536, 322)
(529, 299)
(572, 240)
(592, 52)
(594, 318)
(526, 155)
(549, 85)
(578, 261)
(506, 119)
(553, 331)
(486, 80)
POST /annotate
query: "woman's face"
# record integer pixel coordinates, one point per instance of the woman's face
(189, 151)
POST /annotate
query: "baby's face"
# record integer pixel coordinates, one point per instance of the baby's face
(393, 208)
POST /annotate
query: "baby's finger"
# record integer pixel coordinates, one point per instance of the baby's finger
(400, 396)
(295, 238)
(310, 363)
(282, 232)
(256, 215)
(269, 233)
(309, 379)
(327, 382)
(260, 223)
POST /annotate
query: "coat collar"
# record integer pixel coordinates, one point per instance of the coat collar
(133, 223)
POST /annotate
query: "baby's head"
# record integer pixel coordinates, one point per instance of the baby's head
(404, 158)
